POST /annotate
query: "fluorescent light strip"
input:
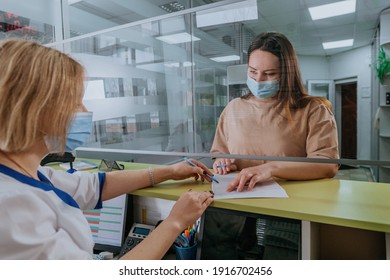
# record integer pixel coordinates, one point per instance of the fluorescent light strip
(236, 12)
(332, 10)
(177, 64)
(225, 58)
(338, 44)
(178, 38)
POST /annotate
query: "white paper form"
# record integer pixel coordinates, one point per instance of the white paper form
(265, 189)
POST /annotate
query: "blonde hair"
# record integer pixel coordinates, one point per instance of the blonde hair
(40, 91)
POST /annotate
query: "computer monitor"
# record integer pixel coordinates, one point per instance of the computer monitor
(110, 224)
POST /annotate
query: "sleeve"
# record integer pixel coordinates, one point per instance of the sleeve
(322, 139)
(220, 142)
(29, 230)
(85, 187)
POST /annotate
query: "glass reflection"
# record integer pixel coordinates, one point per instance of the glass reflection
(147, 93)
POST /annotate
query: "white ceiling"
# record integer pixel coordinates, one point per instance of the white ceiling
(293, 19)
(290, 17)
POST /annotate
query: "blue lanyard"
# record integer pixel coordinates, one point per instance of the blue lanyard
(43, 184)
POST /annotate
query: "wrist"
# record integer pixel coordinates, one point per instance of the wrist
(151, 176)
(161, 174)
(273, 168)
(174, 225)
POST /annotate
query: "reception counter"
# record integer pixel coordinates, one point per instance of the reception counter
(364, 206)
(348, 204)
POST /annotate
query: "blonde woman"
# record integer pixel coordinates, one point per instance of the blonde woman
(41, 91)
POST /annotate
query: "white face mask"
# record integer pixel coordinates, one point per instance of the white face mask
(264, 89)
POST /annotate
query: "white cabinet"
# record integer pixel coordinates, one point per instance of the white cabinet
(384, 132)
(384, 103)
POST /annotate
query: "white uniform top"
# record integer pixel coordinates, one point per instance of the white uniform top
(40, 221)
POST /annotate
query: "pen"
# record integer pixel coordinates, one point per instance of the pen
(182, 241)
(204, 172)
(211, 177)
(222, 165)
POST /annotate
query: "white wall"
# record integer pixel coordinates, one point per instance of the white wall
(314, 68)
(351, 64)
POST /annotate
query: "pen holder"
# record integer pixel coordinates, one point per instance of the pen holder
(186, 253)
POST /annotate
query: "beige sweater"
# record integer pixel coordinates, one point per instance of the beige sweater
(253, 127)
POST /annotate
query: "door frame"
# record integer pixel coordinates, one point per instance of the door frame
(338, 109)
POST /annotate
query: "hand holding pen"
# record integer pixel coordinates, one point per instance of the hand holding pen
(223, 166)
(205, 173)
(185, 169)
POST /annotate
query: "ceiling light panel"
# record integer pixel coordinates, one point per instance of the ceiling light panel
(338, 44)
(236, 12)
(178, 38)
(226, 58)
(332, 10)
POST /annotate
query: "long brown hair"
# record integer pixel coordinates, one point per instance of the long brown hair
(40, 91)
(292, 93)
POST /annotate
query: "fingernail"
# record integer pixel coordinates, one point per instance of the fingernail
(210, 191)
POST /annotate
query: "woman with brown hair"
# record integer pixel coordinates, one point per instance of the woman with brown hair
(276, 118)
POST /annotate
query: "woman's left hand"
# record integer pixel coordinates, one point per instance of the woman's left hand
(224, 166)
(248, 177)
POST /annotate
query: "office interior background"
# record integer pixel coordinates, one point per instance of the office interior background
(159, 73)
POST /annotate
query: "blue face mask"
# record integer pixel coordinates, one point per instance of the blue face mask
(264, 89)
(79, 131)
(78, 134)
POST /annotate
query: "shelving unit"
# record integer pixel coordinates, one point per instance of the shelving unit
(211, 98)
(236, 81)
(384, 102)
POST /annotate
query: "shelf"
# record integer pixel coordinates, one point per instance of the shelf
(384, 34)
(386, 80)
(386, 46)
(384, 96)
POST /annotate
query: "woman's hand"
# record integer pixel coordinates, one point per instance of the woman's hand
(223, 166)
(189, 207)
(184, 169)
(248, 177)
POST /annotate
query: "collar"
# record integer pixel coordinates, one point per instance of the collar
(43, 183)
